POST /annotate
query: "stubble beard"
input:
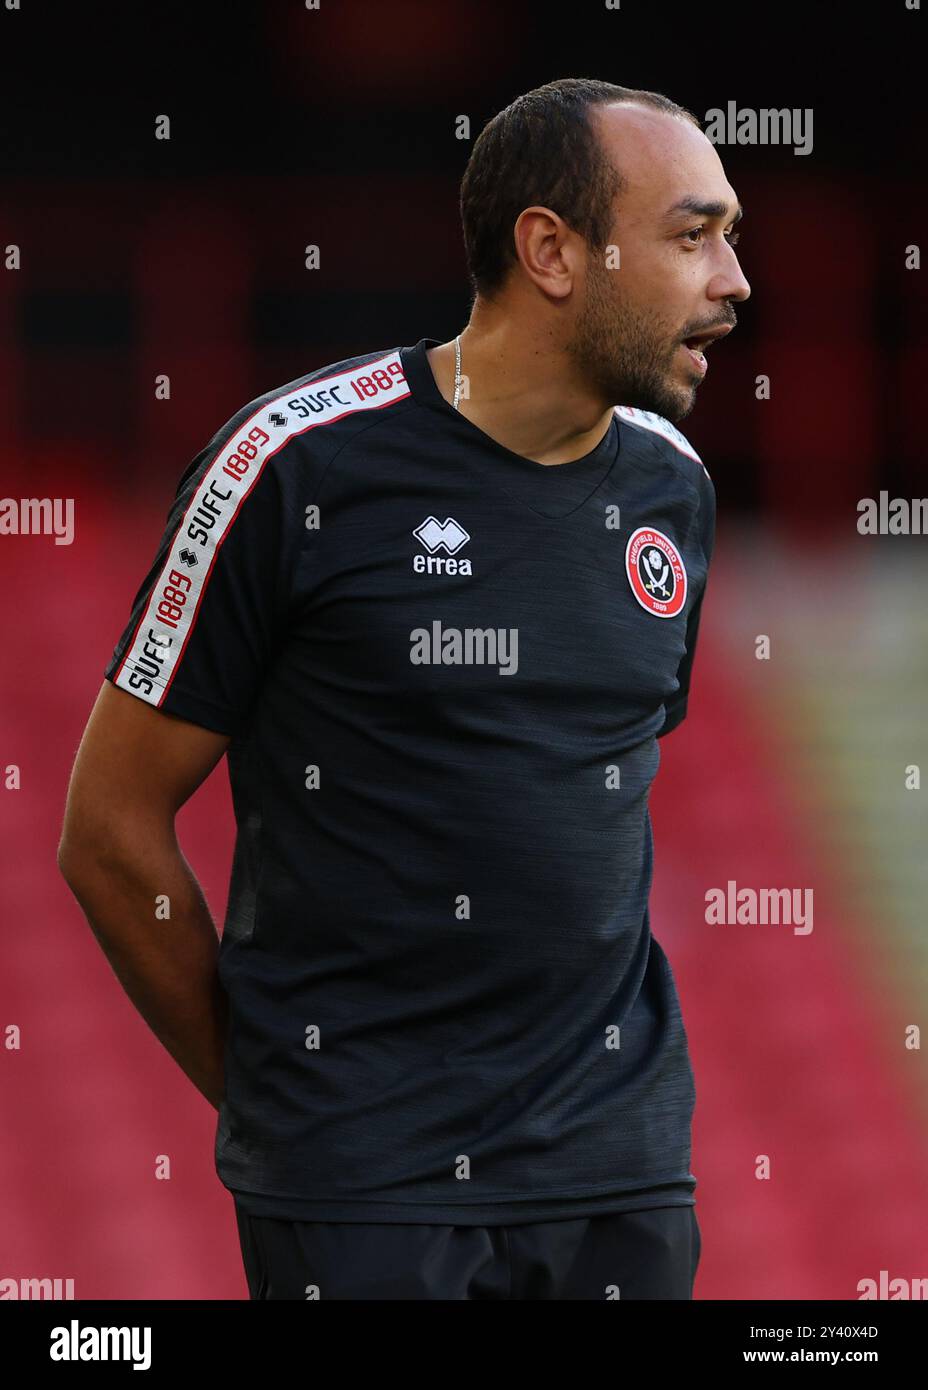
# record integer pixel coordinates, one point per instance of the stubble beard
(628, 354)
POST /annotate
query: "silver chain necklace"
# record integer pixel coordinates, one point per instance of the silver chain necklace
(458, 379)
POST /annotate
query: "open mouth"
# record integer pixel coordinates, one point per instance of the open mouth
(698, 342)
(696, 356)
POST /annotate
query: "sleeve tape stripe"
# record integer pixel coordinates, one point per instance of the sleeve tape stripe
(156, 647)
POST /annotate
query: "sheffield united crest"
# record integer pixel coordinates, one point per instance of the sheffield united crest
(656, 572)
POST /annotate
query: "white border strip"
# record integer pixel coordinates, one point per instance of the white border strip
(158, 643)
(658, 425)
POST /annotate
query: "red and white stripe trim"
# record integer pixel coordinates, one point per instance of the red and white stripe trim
(157, 645)
(647, 420)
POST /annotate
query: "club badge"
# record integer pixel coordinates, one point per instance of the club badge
(656, 572)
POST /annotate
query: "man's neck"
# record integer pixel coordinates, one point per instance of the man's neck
(519, 395)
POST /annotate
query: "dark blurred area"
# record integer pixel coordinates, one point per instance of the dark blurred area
(336, 127)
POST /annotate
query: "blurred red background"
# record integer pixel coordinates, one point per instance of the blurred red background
(185, 258)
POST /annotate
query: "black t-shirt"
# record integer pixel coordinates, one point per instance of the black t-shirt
(444, 669)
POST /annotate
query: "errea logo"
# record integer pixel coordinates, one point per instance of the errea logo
(448, 535)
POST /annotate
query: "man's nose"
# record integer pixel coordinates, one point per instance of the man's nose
(735, 285)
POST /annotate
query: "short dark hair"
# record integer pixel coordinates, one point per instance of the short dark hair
(543, 149)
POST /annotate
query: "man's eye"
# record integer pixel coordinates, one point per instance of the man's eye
(731, 237)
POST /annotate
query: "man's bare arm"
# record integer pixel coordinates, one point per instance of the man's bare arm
(135, 768)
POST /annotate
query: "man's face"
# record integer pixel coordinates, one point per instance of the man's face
(678, 275)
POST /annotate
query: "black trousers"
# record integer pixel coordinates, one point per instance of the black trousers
(642, 1254)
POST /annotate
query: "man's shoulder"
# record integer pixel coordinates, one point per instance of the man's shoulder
(319, 400)
(673, 443)
(293, 431)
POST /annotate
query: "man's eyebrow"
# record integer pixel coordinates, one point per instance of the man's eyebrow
(702, 209)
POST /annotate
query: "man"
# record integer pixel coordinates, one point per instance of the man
(437, 603)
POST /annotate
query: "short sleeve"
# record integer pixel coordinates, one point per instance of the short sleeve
(212, 609)
(676, 707)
